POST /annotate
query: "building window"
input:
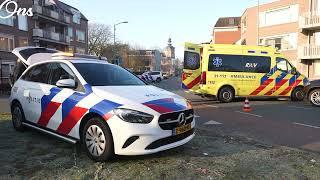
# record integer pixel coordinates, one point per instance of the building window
(6, 69)
(23, 23)
(80, 50)
(70, 33)
(279, 16)
(317, 67)
(283, 42)
(81, 36)
(22, 42)
(76, 18)
(5, 21)
(6, 43)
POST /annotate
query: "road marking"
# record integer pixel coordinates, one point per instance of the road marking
(196, 116)
(248, 114)
(213, 106)
(297, 107)
(306, 125)
(212, 123)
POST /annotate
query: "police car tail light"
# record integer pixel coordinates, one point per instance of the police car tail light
(203, 78)
(133, 116)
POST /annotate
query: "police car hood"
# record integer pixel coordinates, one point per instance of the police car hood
(157, 99)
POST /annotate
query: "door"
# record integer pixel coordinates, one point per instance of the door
(287, 78)
(191, 74)
(37, 92)
(65, 101)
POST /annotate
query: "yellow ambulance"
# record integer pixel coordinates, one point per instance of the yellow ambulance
(228, 71)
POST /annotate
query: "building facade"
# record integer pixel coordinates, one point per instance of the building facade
(291, 26)
(54, 24)
(227, 30)
(144, 60)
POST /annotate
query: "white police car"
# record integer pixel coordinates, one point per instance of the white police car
(103, 106)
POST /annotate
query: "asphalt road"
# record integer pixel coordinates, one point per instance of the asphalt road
(274, 122)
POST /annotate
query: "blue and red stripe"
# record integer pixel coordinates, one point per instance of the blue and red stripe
(280, 81)
(265, 81)
(165, 105)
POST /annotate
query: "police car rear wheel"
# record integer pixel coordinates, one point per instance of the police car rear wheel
(17, 117)
(297, 94)
(314, 97)
(97, 140)
(226, 95)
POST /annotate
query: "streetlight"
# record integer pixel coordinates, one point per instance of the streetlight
(114, 30)
(114, 36)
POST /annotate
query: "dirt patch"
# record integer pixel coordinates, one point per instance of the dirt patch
(32, 155)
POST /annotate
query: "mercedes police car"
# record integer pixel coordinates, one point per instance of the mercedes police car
(106, 108)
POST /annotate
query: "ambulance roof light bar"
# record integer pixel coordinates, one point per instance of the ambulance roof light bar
(66, 55)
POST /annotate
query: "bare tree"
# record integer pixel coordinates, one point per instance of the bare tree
(100, 35)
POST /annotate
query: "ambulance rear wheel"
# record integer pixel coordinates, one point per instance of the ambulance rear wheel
(297, 94)
(226, 95)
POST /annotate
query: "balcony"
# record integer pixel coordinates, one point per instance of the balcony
(309, 52)
(43, 35)
(47, 13)
(310, 21)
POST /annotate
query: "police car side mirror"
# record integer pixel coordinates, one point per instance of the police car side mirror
(66, 83)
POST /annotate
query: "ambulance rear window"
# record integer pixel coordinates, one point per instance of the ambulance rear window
(191, 60)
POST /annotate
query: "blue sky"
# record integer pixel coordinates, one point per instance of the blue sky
(152, 22)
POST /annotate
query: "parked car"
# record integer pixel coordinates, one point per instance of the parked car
(313, 92)
(147, 77)
(157, 76)
(166, 75)
(100, 105)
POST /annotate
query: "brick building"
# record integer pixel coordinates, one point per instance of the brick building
(144, 60)
(292, 26)
(54, 24)
(227, 30)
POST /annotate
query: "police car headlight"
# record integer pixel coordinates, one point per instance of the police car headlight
(132, 116)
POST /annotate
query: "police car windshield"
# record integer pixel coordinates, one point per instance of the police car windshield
(98, 74)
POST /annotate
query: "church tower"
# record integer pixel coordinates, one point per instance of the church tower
(169, 51)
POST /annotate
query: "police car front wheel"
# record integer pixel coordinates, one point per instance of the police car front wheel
(97, 140)
(17, 117)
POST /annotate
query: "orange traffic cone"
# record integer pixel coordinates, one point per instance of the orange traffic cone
(246, 106)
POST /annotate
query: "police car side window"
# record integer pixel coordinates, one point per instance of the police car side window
(38, 73)
(60, 71)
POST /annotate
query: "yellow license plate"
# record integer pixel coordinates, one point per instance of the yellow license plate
(182, 129)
